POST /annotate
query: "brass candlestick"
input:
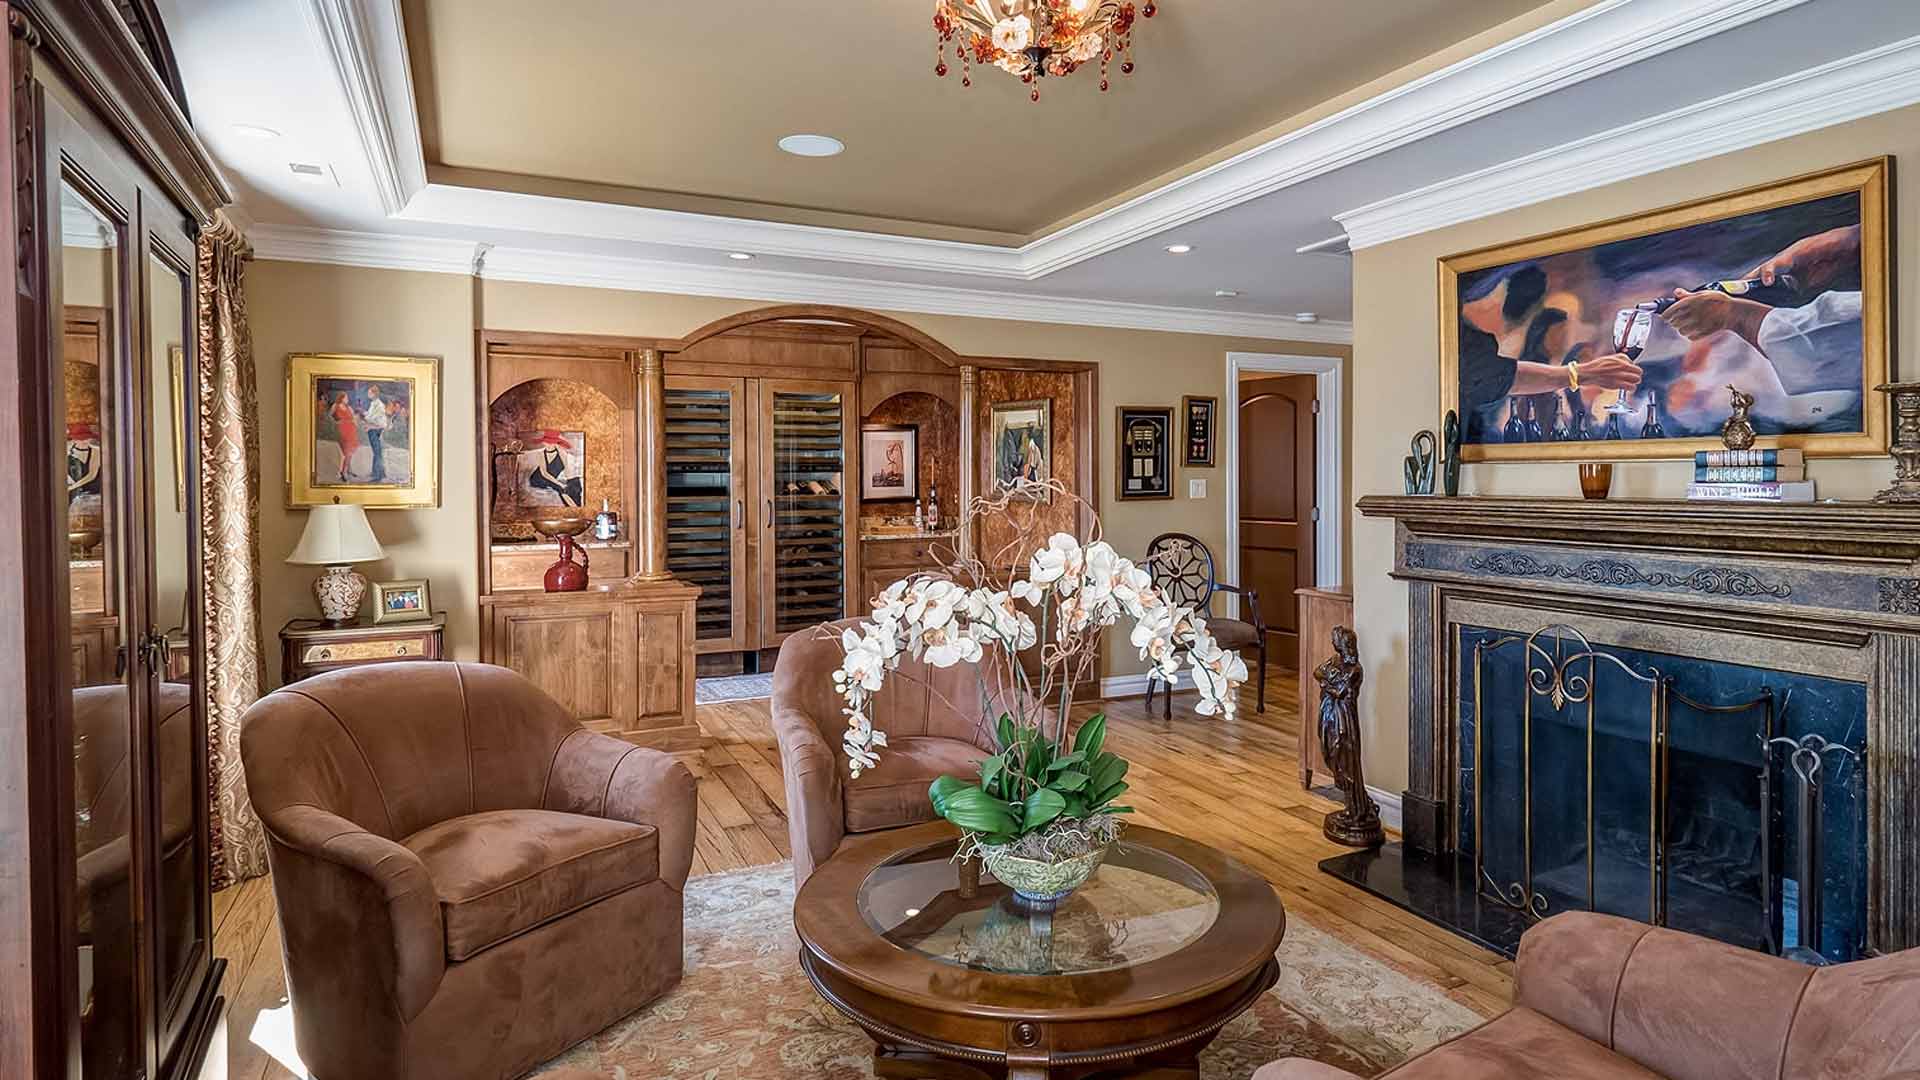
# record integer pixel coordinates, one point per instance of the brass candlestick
(1906, 443)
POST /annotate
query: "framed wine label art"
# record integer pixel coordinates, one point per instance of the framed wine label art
(1197, 417)
(1145, 457)
(1634, 338)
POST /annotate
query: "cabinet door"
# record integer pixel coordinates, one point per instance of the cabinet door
(807, 433)
(573, 653)
(707, 516)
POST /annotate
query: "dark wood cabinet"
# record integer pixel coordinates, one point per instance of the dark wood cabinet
(309, 647)
(106, 910)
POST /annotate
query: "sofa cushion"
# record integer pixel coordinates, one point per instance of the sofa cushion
(504, 872)
(1520, 1045)
(894, 793)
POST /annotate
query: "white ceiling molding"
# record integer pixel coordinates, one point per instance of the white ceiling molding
(1834, 93)
(366, 45)
(387, 251)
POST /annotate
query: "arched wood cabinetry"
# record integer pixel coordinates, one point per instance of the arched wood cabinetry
(105, 907)
(745, 495)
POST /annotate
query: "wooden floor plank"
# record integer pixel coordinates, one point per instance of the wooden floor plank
(1231, 784)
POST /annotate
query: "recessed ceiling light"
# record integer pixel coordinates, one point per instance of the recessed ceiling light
(812, 145)
(1226, 294)
(1306, 316)
(739, 256)
(255, 131)
(1179, 249)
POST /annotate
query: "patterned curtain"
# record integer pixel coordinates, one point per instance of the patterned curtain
(229, 418)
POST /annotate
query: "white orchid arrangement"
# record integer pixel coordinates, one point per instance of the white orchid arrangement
(1063, 596)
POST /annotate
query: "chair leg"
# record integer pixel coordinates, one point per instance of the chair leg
(1260, 694)
(1166, 701)
(1149, 697)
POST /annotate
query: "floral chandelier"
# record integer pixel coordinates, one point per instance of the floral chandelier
(1036, 38)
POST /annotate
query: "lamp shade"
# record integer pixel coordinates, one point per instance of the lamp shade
(335, 536)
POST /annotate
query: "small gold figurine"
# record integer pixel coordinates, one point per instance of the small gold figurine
(1737, 432)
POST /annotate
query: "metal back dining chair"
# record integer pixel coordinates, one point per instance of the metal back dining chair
(1183, 569)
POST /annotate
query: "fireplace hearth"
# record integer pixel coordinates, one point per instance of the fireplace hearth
(1618, 706)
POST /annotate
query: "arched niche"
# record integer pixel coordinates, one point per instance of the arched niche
(936, 423)
(827, 313)
(557, 420)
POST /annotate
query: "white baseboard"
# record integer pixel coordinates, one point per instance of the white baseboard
(1123, 686)
(1389, 803)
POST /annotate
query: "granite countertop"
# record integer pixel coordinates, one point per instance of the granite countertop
(923, 534)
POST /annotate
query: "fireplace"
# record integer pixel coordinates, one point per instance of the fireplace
(1694, 715)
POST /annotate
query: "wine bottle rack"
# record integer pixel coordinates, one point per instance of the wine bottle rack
(702, 504)
(809, 506)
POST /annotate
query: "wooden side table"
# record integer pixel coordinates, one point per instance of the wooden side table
(309, 646)
(1320, 611)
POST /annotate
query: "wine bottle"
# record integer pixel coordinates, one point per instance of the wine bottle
(1534, 431)
(1653, 429)
(1784, 292)
(933, 506)
(1516, 429)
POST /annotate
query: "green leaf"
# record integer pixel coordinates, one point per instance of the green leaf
(1069, 781)
(1108, 794)
(1069, 760)
(1077, 807)
(970, 808)
(1041, 807)
(1117, 810)
(1005, 730)
(1107, 770)
(1093, 735)
(990, 770)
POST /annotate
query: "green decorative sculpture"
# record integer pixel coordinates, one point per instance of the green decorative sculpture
(1418, 469)
(1450, 465)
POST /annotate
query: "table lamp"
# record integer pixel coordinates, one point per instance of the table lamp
(336, 537)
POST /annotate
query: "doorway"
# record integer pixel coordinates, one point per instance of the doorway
(1284, 484)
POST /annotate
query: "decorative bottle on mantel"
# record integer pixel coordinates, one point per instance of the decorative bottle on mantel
(933, 506)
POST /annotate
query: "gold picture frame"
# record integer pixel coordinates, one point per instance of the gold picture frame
(333, 431)
(177, 394)
(1869, 180)
(401, 601)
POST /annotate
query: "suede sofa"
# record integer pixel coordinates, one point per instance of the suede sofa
(1603, 998)
(468, 881)
(933, 723)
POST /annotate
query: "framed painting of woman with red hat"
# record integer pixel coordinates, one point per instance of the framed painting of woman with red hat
(362, 429)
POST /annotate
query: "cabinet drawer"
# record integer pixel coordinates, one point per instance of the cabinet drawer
(905, 554)
(359, 652)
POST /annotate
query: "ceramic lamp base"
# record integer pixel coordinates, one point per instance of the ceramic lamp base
(339, 589)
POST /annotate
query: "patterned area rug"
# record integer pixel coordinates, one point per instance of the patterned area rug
(718, 688)
(746, 1011)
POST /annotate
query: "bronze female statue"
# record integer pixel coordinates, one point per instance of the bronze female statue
(1358, 823)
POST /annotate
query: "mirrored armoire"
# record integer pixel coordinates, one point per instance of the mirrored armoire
(105, 908)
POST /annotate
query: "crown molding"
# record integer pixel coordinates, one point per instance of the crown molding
(443, 256)
(1833, 93)
(366, 46)
(80, 229)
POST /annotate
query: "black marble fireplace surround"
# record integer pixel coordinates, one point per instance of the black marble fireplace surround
(1818, 606)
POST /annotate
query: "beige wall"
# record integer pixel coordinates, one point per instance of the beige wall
(1396, 387)
(298, 307)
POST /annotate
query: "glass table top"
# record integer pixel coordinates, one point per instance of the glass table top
(1141, 905)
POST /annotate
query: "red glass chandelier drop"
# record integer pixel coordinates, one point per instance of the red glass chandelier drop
(1033, 39)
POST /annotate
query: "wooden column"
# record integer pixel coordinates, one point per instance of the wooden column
(650, 525)
(970, 463)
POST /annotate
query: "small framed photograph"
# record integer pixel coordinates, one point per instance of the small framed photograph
(1145, 457)
(401, 601)
(889, 461)
(1197, 420)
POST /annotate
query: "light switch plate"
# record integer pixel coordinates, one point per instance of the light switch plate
(1196, 489)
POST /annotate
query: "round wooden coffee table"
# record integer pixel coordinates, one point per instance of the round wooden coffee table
(1131, 976)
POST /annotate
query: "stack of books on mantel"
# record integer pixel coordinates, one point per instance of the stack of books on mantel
(1778, 476)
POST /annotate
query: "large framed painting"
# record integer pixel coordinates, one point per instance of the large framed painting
(1145, 452)
(889, 461)
(363, 429)
(1622, 340)
(1022, 434)
(539, 472)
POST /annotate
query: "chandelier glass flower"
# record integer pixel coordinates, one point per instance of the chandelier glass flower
(1036, 38)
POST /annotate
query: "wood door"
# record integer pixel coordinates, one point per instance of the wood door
(1276, 487)
(709, 455)
(572, 652)
(808, 433)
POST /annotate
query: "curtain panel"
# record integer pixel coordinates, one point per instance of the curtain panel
(229, 426)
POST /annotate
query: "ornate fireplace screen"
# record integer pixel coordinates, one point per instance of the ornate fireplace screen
(1711, 826)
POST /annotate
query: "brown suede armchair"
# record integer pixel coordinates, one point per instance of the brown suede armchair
(1602, 998)
(468, 881)
(933, 723)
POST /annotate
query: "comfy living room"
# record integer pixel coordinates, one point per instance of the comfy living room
(961, 539)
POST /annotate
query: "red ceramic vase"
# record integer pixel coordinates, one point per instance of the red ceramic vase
(567, 575)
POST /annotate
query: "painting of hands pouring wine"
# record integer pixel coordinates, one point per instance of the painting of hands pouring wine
(1620, 340)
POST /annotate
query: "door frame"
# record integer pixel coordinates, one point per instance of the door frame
(1328, 428)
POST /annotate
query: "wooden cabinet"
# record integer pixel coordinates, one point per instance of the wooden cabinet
(886, 559)
(1320, 611)
(619, 658)
(807, 439)
(309, 647)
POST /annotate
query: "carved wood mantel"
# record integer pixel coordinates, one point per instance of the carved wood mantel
(1836, 581)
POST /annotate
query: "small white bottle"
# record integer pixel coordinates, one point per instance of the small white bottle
(919, 516)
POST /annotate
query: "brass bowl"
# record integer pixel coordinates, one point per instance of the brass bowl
(555, 528)
(81, 542)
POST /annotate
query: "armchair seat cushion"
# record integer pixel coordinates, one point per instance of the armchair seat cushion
(1234, 633)
(894, 793)
(504, 872)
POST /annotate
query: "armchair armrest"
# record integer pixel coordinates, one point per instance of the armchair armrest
(605, 777)
(1252, 597)
(367, 912)
(816, 815)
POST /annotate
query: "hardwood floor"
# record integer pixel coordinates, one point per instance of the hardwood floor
(1232, 785)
